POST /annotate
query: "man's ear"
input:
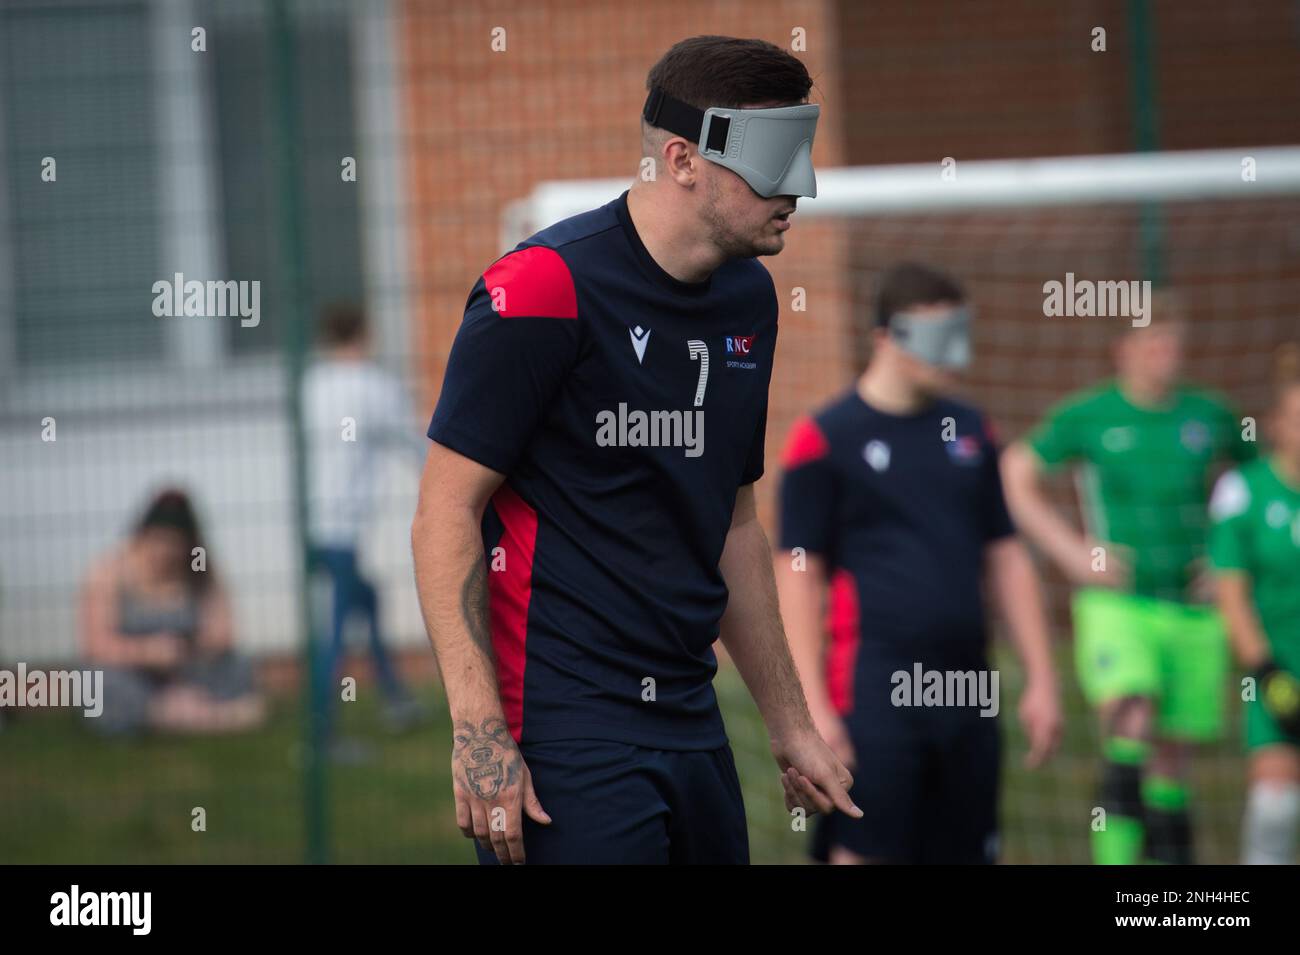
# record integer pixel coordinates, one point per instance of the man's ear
(681, 159)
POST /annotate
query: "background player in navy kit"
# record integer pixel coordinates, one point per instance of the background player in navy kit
(586, 527)
(891, 504)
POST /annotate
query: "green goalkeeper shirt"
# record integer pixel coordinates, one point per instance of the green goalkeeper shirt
(1256, 529)
(1145, 474)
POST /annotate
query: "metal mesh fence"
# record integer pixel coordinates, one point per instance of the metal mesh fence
(365, 152)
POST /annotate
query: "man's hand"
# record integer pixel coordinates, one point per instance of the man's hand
(1114, 569)
(492, 786)
(811, 775)
(1040, 717)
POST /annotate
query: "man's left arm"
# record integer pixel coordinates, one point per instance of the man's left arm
(1015, 585)
(1014, 582)
(752, 633)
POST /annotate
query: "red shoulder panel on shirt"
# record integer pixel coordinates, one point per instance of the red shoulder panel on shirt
(805, 443)
(991, 432)
(532, 282)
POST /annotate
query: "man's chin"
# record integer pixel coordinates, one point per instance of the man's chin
(944, 386)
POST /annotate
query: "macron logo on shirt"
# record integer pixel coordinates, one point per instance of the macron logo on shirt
(640, 338)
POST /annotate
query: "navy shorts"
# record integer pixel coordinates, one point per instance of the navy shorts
(927, 783)
(615, 803)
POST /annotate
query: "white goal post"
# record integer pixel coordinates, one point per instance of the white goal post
(1241, 173)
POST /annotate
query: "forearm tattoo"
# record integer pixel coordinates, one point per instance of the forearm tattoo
(474, 607)
(487, 760)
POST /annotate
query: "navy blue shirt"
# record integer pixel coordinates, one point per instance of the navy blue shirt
(901, 508)
(625, 408)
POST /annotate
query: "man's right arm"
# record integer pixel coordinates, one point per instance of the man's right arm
(451, 576)
(1229, 551)
(1241, 619)
(1034, 515)
(514, 350)
(491, 782)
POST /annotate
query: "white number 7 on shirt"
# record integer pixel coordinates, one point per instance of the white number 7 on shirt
(701, 351)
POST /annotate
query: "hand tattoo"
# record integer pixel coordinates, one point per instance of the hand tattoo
(486, 757)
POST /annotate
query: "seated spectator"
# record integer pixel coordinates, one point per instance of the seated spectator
(157, 620)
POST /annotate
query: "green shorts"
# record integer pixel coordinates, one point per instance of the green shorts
(1126, 645)
(1262, 729)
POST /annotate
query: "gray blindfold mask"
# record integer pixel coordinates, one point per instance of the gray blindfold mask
(771, 149)
(941, 340)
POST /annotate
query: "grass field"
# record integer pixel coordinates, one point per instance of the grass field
(68, 797)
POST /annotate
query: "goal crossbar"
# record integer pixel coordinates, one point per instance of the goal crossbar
(1240, 173)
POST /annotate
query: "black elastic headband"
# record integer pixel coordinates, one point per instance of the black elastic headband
(685, 120)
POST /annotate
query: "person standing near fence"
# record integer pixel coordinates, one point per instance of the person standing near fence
(353, 411)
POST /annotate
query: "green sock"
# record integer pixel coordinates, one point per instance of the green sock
(1168, 824)
(1119, 841)
(1161, 792)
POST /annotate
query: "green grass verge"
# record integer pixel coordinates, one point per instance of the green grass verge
(68, 797)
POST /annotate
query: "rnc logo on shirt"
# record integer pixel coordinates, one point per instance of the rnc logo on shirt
(965, 450)
(740, 345)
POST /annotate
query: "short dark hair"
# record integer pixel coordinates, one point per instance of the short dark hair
(725, 71)
(342, 323)
(911, 283)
